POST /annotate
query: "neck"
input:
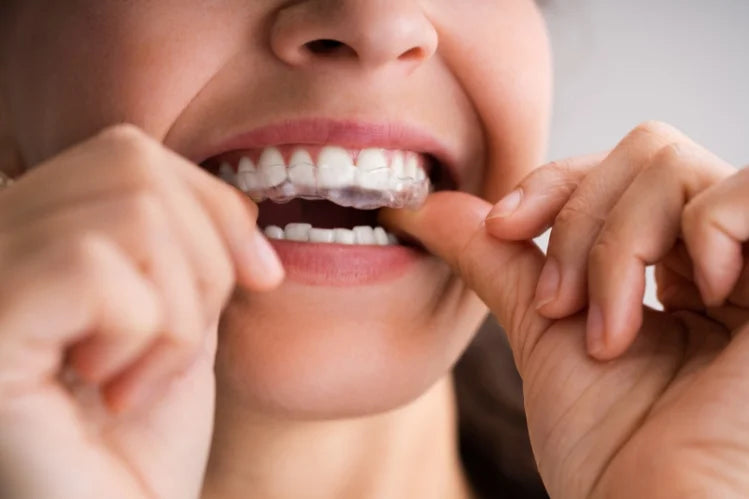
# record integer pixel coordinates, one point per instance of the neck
(408, 452)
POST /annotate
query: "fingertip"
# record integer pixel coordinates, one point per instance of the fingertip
(261, 268)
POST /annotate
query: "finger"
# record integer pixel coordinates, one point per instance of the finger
(641, 229)
(93, 292)
(123, 158)
(259, 267)
(502, 273)
(562, 288)
(141, 228)
(530, 208)
(715, 226)
(740, 294)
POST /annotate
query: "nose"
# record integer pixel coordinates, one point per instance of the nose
(371, 33)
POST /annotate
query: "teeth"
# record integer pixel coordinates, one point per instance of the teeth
(321, 235)
(248, 177)
(381, 237)
(398, 165)
(302, 169)
(306, 233)
(226, 172)
(364, 235)
(274, 232)
(272, 167)
(335, 169)
(411, 166)
(372, 170)
(379, 178)
(297, 232)
(344, 236)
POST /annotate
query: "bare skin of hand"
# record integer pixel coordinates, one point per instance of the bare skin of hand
(116, 258)
(622, 400)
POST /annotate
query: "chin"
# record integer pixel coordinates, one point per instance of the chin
(312, 352)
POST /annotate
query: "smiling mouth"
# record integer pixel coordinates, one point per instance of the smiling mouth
(330, 194)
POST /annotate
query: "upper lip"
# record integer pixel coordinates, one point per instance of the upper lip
(343, 133)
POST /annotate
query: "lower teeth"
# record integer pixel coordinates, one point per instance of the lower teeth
(362, 235)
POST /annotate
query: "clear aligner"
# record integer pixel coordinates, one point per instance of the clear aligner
(353, 187)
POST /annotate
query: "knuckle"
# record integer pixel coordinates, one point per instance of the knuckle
(604, 246)
(125, 136)
(653, 129)
(145, 210)
(558, 178)
(86, 255)
(560, 167)
(133, 152)
(670, 156)
(577, 214)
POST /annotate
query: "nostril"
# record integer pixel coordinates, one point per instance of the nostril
(414, 54)
(328, 47)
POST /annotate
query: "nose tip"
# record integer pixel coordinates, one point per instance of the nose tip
(371, 33)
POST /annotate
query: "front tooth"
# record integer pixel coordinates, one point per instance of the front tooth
(297, 232)
(302, 169)
(321, 236)
(226, 172)
(372, 170)
(364, 235)
(411, 165)
(344, 236)
(421, 174)
(398, 165)
(381, 237)
(272, 167)
(274, 232)
(335, 169)
(248, 177)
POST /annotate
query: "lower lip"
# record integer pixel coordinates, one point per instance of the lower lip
(324, 264)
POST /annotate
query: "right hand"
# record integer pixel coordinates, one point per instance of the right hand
(116, 259)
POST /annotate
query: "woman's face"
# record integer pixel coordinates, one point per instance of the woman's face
(471, 78)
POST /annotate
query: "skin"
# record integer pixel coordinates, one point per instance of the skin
(121, 215)
(296, 377)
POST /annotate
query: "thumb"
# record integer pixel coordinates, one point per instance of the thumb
(503, 273)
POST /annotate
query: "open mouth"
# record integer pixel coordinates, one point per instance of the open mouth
(330, 194)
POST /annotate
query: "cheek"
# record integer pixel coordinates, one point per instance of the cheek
(65, 88)
(332, 353)
(504, 65)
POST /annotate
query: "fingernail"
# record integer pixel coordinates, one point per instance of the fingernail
(507, 205)
(266, 259)
(548, 283)
(595, 331)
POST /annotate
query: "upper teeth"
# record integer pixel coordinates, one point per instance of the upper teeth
(377, 178)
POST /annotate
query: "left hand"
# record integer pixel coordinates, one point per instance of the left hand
(657, 199)
(667, 417)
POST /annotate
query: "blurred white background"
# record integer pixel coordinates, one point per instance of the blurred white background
(617, 64)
